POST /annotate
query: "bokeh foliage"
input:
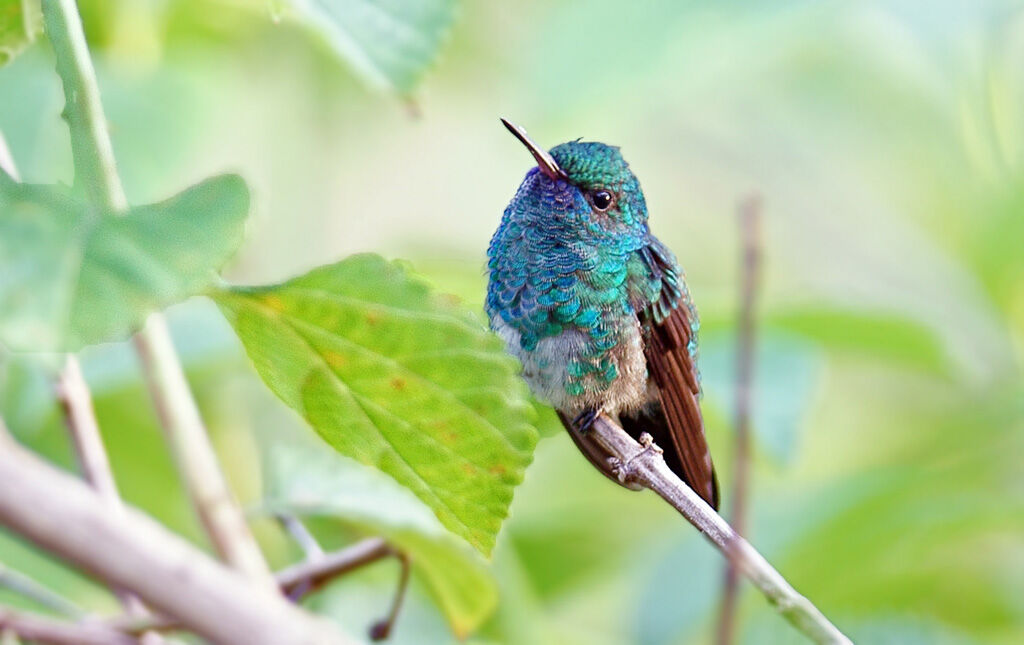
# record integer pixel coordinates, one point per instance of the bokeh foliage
(886, 139)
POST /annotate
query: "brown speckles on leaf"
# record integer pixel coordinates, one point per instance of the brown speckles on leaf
(398, 383)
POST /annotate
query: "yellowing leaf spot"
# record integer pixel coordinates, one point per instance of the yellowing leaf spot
(398, 383)
(273, 302)
(334, 359)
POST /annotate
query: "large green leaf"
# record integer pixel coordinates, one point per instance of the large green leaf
(307, 478)
(390, 43)
(71, 276)
(20, 22)
(399, 378)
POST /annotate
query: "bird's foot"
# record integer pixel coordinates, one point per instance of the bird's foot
(620, 469)
(585, 420)
(626, 471)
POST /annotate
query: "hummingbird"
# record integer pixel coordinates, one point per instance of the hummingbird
(597, 309)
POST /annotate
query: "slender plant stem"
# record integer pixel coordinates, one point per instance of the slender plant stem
(382, 628)
(302, 536)
(43, 629)
(73, 393)
(76, 400)
(299, 579)
(44, 596)
(321, 570)
(197, 461)
(749, 214)
(130, 550)
(643, 464)
(96, 169)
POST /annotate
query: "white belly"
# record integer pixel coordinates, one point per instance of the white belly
(545, 370)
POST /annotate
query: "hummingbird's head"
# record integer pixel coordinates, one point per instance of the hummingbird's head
(580, 188)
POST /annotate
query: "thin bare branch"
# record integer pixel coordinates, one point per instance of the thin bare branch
(76, 400)
(44, 596)
(299, 579)
(317, 572)
(302, 536)
(95, 168)
(320, 568)
(179, 415)
(382, 628)
(130, 550)
(749, 214)
(645, 466)
(43, 629)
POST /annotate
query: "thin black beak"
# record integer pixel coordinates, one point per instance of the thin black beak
(545, 161)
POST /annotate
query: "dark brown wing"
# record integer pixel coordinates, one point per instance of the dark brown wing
(671, 367)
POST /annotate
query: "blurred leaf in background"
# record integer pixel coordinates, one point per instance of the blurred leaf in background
(74, 277)
(886, 139)
(21, 22)
(390, 43)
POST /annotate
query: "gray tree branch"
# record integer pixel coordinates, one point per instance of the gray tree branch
(129, 550)
(197, 462)
(315, 572)
(25, 586)
(76, 400)
(645, 466)
(43, 629)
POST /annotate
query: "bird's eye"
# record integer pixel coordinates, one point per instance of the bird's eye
(601, 198)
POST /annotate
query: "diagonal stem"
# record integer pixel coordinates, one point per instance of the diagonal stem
(44, 596)
(645, 466)
(38, 628)
(96, 169)
(318, 571)
(60, 514)
(196, 459)
(749, 214)
(76, 400)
